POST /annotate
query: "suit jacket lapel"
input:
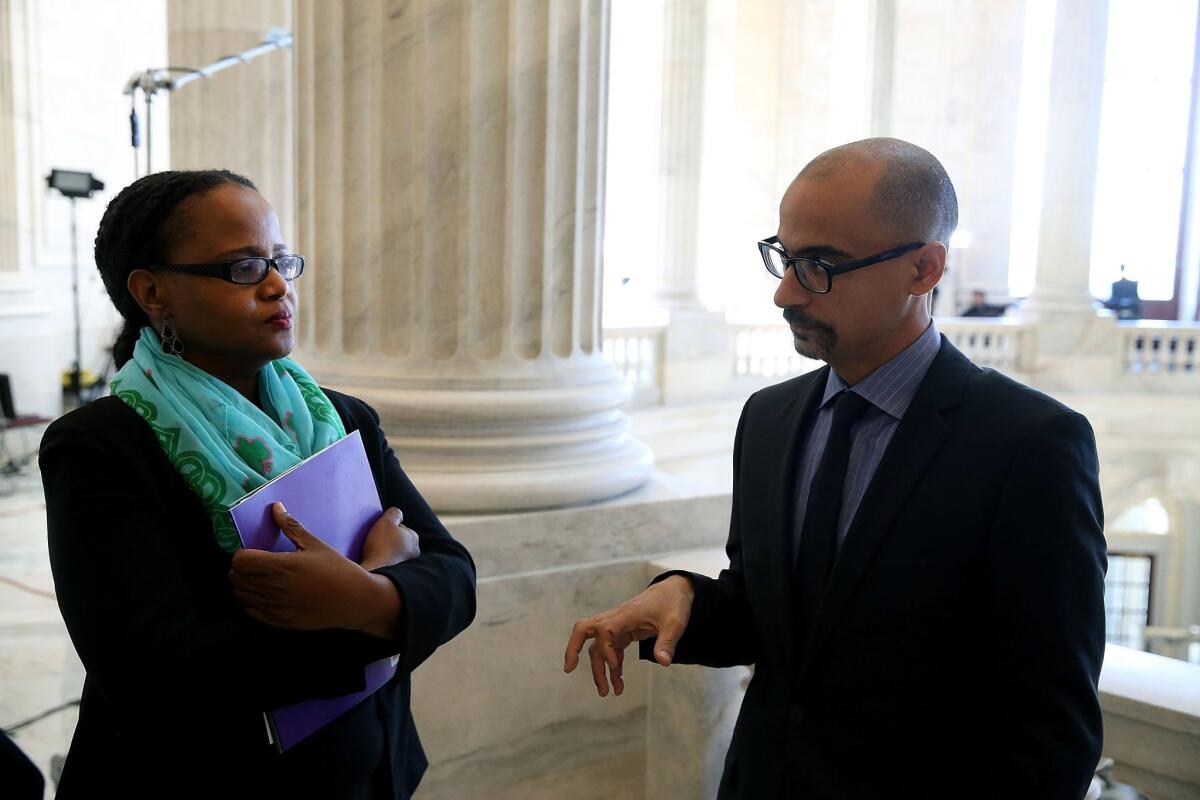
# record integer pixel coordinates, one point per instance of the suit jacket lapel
(918, 437)
(789, 429)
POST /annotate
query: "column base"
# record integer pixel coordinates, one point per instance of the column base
(1048, 304)
(476, 451)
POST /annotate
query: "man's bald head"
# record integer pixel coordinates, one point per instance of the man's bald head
(913, 194)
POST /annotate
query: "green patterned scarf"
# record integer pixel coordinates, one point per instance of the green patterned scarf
(223, 445)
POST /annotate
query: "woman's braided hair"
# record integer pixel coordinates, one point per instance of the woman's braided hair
(136, 231)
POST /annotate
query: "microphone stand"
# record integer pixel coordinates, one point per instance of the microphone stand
(152, 81)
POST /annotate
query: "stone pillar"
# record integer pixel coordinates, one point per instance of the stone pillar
(1074, 343)
(1183, 486)
(1187, 561)
(680, 148)
(697, 356)
(1072, 145)
(29, 338)
(8, 153)
(452, 161)
(241, 118)
(883, 65)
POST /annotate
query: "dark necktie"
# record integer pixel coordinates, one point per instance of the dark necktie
(818, 539)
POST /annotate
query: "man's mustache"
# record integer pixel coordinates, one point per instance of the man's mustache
(795, 316)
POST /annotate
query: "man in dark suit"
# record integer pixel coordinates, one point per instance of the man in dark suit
(916, 547)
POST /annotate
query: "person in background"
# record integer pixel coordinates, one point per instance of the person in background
(1124, 298)
(981, 308)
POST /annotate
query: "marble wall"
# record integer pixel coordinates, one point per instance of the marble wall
(498, 717)
(691, 710)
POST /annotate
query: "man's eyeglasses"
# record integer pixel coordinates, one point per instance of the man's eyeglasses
(815, 274)
(243, 271)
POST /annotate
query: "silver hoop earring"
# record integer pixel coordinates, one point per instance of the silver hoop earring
(172, 345)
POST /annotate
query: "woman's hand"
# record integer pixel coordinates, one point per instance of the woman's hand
(314, 588)
(389, 541)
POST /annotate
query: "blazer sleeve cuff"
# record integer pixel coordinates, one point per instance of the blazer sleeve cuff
(646, 646)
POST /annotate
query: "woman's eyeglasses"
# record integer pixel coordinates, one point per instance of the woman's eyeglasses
(243, 271)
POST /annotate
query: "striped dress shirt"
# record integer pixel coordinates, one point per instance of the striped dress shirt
(890, 390)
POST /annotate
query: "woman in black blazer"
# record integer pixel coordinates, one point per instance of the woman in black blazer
(185, 644)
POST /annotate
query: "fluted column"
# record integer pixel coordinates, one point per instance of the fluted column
(680, 149)
(241, 118)
(697, 355)
(8, 164)
(1072, 152)
(451, 159)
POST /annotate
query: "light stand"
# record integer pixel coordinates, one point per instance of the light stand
(74, 185)
(153, 81)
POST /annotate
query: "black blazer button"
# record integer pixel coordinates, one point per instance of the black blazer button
(796, 715)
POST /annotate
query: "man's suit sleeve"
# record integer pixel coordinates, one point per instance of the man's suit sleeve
(720, 631)
(1045, 585)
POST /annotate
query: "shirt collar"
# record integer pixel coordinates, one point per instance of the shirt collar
(893, 385)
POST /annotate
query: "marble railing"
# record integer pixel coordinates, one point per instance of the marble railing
(761, 354)
(1152, 722)
(766, 351)
(1003, 343)
(1156, 356)
(637, 354)
(1159, 348)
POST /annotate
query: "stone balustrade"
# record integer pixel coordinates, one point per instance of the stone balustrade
(1158, 348)
(637, 353)
(1002, 343)
(766, 351)
(1148, 355)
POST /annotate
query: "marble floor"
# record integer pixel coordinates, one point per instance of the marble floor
(38, 666)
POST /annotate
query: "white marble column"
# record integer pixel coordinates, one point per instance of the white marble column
(1072, 146)
(680, 148)
(29, 336)
(8, 154)
(241, 118)
(1183, 486)
(883, 65)
(697, 355)
(972, 130)
(450, 172)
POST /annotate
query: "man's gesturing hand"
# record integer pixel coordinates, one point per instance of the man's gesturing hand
(661, 611)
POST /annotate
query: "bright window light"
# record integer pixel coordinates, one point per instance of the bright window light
(1032, 111)
(961, 240)
(1143, 141)
(1148, 516)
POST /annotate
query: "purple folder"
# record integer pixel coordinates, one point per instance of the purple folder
(333, 494)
